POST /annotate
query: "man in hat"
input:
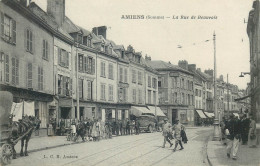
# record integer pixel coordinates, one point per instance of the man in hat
(166, 131)
(178, 127)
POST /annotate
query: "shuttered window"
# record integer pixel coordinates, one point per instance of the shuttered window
(149, 81)
(15, 71)
(111, 93)
(121, 74)
(7, 68)
(29, 75)
(40, 78)
(140, 98)
(103, 69)
(89, 96)
(134, 95)
(110, 71)
(133, 76)
(140, 80)
(81, 88)
(103, 92)
(8, 28)
(29, 40)
(63, 58)
(45, 52)
(125, 75)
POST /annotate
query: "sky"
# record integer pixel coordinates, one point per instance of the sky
(159, 38)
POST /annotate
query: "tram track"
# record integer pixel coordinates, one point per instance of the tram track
(116, 147)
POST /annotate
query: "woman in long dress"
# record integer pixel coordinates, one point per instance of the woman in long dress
(252, 137)
(94, 132)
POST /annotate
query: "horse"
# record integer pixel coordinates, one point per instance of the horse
(24, 129)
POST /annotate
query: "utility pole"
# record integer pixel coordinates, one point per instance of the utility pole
(216, 120)
(227, 95)
(77, 80)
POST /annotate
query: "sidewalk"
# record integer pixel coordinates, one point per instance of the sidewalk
(217, 154)
(41, 143)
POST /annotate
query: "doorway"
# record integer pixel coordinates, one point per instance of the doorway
(174, 115)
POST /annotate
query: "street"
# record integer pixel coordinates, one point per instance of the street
(143, 149)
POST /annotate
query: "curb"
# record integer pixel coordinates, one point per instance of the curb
(206, 149)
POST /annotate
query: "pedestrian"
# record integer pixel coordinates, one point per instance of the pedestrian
(127, 127)
(124, 127)
(177, 134)
(166, 131)
(233, 135)
(73, 127)
(117, 127)
(137, 126)
(222, 126)
(245, 123)
(62, 127)
(252, 138)
(37, 126)
(120, 127)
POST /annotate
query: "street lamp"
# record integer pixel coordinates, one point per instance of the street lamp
(216, 135)
(244, 73)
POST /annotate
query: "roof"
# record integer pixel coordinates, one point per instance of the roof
(47, 18)
(161, 65)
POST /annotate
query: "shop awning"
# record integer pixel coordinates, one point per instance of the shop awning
(137, 111)
(158, 111)
(209, 114)
(201, 114)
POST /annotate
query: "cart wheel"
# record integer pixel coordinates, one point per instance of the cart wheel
(7, 154)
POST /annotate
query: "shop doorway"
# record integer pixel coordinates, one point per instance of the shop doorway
(65, 112)
(174, 115)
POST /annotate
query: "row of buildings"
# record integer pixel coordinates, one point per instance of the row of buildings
(47, 59)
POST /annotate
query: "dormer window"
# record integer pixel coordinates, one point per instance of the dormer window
(102, 47)
(79, 39)
(87, 41)
(122, 54)
(106, 49)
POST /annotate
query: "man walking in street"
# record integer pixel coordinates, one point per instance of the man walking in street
(177, 134)
(233, 133)
(245, 122)
(166, 131)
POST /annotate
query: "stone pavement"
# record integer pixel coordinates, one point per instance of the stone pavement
(217, 154)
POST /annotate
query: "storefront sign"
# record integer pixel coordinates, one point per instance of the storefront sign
(174, 74)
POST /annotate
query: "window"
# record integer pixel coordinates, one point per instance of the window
(154, 83)
(159, 84)
(29, 40)
(196, 92)
(149, 96)
(134, 95)
(188, 84)
(110, 71)
(173, 82)
(6, 68)
(183, 83)
(103, 69)
(133, 76)
(125, 75)
(80, 88)
(140, 77)
(103, 92)
(64, 85)
(15, 71)
(29, 75)
(89, 96)
(102, 47)
(154, 97)
(120, 74)
(45, 52)
(91, 65)
(8, 28)
(80, 62)
(140, 96)
(63, 58)
(111, 90)
(40, 78)
(149, 81)
(183, 99)
(175, 97)
(189, 100)
(87, 41)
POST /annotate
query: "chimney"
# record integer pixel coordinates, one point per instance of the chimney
(192, 67)
(102, 30)
(209, 72)
(56, 8)
(148, 58)
(183, 64)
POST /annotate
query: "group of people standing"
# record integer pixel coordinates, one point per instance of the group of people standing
(97, 129)
(177, 132)
(235, 130)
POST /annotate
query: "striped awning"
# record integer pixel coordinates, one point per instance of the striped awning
(201, 114)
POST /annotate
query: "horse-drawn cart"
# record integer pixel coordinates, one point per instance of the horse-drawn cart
(6, 150)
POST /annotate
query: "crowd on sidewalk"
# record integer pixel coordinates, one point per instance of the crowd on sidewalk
(234, 130)
(96, 129)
